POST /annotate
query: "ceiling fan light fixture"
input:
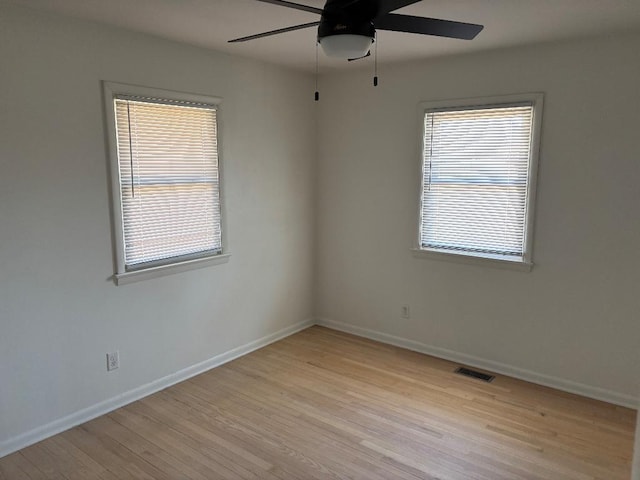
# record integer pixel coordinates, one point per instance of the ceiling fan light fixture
(346, 45)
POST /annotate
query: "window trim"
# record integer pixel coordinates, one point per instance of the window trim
(526, 264)
(123, 275)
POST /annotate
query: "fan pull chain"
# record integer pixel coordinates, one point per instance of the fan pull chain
(317, 95)
(375, 62)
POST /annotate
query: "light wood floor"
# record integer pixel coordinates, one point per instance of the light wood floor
(322, 404)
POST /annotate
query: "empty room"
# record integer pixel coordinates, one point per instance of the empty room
(343, 239)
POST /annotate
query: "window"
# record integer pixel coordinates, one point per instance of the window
(166, 180)
(479, 163)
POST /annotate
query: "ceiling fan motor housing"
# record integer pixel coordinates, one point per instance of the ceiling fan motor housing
(341, 17)
(329, 27)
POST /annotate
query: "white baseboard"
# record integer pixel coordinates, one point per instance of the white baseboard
(490, 365)
(60, 425)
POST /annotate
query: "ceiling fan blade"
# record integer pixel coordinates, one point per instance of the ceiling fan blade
(427, 26)
(297, 6)
(386, 6)
(274, 32)
(360, 58)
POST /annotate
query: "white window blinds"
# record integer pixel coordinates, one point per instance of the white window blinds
(169, 180)
(476, 179)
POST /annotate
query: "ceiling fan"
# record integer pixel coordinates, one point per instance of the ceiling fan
(347, 28)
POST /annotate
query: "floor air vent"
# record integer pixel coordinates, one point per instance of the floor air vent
(473, 374)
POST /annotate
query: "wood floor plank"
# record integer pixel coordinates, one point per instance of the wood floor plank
(284, 417)
(13, 467)
(322, 404)
(76, 461)
(175, 443)
(307, 418)
(193, 431)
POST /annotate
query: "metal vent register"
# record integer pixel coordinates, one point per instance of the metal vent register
(475, 374)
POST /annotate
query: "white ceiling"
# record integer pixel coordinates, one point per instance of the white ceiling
(210, 23)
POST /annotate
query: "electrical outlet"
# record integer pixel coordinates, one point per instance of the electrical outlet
(404, 311)
(113, 360)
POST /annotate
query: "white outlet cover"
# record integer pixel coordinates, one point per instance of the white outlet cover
(113, 360)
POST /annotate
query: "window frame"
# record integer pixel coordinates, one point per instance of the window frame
(526, 264)
(173, 265)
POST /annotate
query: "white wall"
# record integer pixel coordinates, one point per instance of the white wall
(59, 312)
(574, 318)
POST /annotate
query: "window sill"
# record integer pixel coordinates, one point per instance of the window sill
(162, 270)
(473, 260)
